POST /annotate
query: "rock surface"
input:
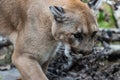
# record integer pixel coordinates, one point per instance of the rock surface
(12, 74)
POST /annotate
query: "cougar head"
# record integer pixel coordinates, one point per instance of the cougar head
(74, 24)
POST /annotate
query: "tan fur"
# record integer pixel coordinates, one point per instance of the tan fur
(35, 34)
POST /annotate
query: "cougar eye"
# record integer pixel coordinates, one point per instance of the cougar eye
(93, 34)
(78, 35)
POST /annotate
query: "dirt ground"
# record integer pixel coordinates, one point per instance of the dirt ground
(95, 66)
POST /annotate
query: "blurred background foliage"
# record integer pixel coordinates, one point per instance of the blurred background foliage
(105, 16)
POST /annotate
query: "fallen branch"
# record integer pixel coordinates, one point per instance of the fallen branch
(109, 35)
(112, 49)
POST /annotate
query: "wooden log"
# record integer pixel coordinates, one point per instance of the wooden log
(109, 35)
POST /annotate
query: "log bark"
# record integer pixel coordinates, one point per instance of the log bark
(109, 35)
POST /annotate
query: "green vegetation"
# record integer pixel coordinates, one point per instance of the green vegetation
(105, 17)
(85, 1)
(6, 60)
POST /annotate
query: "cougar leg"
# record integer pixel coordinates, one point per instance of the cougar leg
(28, 67)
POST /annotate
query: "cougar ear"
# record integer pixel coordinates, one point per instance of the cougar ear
(95, 4)
(58, 13)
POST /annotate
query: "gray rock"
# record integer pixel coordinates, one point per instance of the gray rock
(12, 74)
